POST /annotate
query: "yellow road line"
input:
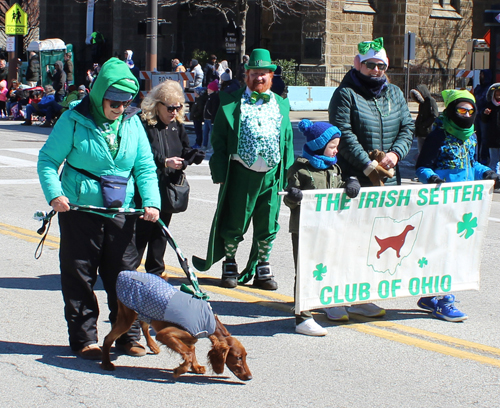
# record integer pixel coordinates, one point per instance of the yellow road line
(437, 336)
(382, 329)
(423, 344)
(5, 228)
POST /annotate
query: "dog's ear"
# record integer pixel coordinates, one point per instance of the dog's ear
(221, 327)
(218, 354)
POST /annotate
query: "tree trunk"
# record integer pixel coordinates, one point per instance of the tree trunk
(242, 24)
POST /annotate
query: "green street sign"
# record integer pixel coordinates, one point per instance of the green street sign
(16, 21)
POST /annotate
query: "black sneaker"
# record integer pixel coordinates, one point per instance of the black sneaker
(264, 279)
(229, 274)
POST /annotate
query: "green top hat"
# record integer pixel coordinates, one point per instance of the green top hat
(260, 59)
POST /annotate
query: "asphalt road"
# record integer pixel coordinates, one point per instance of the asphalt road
(407, 359)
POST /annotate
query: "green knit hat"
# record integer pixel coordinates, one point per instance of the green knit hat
(450, 95)
(260, 59)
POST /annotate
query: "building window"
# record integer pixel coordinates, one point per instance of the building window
(449, 9)
(358, 6)
(312, 48)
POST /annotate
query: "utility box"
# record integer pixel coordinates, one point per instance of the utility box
(478, 55)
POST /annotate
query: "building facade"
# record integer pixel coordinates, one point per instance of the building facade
(317, 38)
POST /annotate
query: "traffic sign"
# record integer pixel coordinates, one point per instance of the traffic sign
(16, 21)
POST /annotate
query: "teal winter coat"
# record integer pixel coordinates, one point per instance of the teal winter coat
(367, 123)
(77, 139)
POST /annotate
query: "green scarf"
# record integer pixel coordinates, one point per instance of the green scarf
(453, 129)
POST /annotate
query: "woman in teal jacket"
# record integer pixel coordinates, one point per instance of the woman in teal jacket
(99, 138)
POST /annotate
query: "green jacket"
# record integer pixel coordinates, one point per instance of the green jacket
(304, 176)
(76, 138)
(224, 139)
(369, 123)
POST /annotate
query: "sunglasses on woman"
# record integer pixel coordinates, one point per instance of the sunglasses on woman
(371, 65)
(173, 108)
(463, 111)
(117, 104)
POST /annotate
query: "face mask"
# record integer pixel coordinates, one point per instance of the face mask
(465, 122)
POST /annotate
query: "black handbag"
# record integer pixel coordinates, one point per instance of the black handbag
(175, 196)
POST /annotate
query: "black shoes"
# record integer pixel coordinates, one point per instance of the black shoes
(229, 274)
(264, 279)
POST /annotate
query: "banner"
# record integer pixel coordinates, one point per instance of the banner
(390, 242)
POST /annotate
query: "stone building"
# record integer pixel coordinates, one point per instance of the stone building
(319, 39)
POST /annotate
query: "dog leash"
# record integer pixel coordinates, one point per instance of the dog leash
(46, 218)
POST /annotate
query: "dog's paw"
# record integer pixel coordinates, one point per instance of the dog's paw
(155, 349)
(199, 369)
(108, 366)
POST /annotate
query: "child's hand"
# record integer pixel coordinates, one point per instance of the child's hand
(294, 194)
(352, 187)
(487, 111)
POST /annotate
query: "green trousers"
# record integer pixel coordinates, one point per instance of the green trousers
(251, 197)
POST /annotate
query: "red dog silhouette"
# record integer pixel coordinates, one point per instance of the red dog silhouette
(395, 243)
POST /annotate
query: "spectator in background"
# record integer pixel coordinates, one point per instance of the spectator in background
(127, 54)
(240, 74)
(33, 71)
(480, 91)
(4, 70)
(228, 83)
(491, 116)
(58, 77)
(68, 68)
(195, 68)
(196, 114)
(3, 98)
(135, 71)
(41, 107)
(177, 66)
(92, 74)
(211, 107)
(12, 96)
(208, 71)
(427, 113)
(278, 86)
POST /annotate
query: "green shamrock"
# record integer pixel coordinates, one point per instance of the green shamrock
(422, 262)
(319, 272)
(467, 225)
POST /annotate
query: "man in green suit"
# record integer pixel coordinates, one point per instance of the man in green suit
(252, 139)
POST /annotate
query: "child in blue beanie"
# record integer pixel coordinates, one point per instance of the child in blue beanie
(317, 168)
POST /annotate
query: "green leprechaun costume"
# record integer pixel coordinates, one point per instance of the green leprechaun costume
(252, 139)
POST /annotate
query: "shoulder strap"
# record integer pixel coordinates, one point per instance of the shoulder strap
(84, 172)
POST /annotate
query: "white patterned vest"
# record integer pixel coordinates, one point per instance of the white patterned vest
(260, 131)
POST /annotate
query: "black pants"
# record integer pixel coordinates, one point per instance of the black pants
(92, 243)
(150, 234)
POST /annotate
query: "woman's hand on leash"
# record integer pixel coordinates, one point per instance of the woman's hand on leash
(150, 214)
(60, 204)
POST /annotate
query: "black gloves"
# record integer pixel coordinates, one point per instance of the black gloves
(491, 175)
(352, 187)
(435, 179)
(193, 156)
(294, 194)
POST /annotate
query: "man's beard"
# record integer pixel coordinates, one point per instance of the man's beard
(259, 86)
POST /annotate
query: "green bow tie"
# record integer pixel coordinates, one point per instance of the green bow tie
(376, 44)
(255, 96)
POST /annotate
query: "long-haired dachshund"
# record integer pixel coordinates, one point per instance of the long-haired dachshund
(179, 319)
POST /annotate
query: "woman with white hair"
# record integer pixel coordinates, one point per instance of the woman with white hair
(163, 117)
